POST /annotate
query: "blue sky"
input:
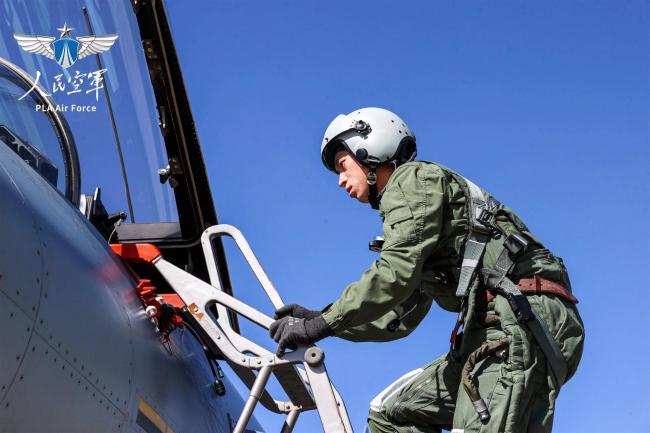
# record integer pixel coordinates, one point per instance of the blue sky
(543, 104)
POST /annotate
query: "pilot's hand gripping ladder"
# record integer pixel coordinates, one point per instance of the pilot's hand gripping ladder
(244, 356)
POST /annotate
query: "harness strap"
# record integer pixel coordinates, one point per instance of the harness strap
(541, 285)
(496, 279)
(482, 213)
(481, 216)
(474, 248)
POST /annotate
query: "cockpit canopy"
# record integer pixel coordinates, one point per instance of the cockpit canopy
(104, 105)
(40, 138)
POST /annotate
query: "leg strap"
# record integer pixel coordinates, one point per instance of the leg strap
(497, 281)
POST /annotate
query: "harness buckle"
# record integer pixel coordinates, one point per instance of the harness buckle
(485, 217)
(515, 244)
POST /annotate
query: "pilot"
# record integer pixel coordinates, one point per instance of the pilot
(518, 337)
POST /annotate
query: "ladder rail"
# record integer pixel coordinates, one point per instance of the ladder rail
(290, 421)
(339, 401)
(208, 251)
(199, 296)
(333, 417)
(242, 343)
(253, 398)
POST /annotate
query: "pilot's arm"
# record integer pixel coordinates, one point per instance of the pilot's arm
(412, 208)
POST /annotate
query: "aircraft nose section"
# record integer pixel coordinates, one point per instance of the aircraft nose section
(21, 270)
(61, 320)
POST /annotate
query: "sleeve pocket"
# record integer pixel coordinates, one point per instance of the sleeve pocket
(398, 214)
(399, 224)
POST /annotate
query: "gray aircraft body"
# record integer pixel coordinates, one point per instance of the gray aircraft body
(80, 351)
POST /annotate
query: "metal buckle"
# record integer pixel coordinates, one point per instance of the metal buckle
(483, 221)
(515, 244)
(376, 244)
(485, 217)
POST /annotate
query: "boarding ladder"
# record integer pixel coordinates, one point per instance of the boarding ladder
(301, 373)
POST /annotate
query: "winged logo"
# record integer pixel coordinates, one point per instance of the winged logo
(65, 50)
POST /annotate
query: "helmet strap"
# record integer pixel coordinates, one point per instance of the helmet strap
(373, 194)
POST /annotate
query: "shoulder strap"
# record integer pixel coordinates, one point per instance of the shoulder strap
(481, 210)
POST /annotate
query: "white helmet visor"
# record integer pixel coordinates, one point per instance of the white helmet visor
(340, 125)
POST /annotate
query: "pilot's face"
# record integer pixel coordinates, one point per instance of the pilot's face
(352, 175)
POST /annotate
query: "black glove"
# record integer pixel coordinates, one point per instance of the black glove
(291, 332)
(295, 310)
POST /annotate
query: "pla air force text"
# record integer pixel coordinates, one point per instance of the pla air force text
(65, 108)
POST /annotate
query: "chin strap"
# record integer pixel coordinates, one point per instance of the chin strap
(373, 194)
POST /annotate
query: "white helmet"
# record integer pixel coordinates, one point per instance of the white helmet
(373, 135)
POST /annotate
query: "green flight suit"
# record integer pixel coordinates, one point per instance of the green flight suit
(425, 227)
